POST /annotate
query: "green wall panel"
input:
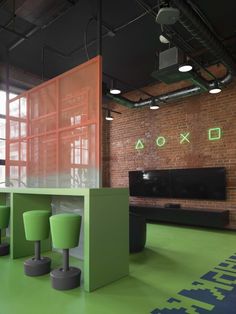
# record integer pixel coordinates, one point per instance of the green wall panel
(108, 232)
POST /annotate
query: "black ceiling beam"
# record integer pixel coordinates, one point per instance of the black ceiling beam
(5, 28)
(35, 29)
(9, 22)
(2, 3)
(29, 34)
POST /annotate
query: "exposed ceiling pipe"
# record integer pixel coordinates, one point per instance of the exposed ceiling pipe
(168, 97)
(194, 25)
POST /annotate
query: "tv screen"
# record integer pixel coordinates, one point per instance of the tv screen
(194, 183)
(149, 183)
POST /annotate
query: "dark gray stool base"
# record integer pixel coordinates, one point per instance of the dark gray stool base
(35, 267)
(4, 249)
(137, 232)
(65, 280)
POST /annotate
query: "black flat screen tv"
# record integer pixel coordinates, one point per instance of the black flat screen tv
(194, 183)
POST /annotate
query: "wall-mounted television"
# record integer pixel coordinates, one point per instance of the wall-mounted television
(194, 183)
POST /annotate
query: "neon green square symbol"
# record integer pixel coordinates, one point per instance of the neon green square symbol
(214, 134)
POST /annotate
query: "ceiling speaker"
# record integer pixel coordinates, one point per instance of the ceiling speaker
(167, 16)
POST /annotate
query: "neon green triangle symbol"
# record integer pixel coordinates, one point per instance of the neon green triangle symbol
(139, 145)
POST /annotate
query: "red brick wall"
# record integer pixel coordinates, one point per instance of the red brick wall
(195, 115)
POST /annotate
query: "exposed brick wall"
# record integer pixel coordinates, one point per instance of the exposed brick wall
(196, 115)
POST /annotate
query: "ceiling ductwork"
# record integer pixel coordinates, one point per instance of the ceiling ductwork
(195, 26)
(171, 96)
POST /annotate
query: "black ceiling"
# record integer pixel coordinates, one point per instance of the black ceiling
(131, 35)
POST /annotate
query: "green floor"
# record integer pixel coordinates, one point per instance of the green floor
(174, 257)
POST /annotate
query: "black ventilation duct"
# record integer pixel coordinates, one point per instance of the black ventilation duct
(194, 25)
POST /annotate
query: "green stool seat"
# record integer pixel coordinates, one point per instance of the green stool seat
(65, 230)
(37, 228)
(4, 222)
(36, 223)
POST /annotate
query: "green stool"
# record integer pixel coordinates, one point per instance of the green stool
(65, 229)
(36, 224)
(4, 222)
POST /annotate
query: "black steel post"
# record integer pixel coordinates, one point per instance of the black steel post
(99, 27)
(43, 61)
(0, 236)
(37, 249)
(65, 259)
(7, 77)
(7, 104)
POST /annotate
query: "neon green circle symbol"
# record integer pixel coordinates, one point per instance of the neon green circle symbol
(160, 141)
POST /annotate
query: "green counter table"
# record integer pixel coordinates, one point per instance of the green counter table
(106, 231)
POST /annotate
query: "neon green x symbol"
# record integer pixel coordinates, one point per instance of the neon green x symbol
(184, 137)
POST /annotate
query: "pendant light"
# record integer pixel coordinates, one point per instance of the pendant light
(109, 116)
(113, 89)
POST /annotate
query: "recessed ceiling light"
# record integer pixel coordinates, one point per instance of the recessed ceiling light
(154, 107)
(215, 90)
(185, 68)
(115, 91)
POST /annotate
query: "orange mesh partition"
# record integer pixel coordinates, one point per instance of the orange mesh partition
(43, 109)
(53, 131)
(42, 161)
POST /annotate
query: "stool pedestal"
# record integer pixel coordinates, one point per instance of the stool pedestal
(67, 277)
(4, 247)
(37, 265)
(33, 267)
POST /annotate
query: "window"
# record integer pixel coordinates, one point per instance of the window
(3, 134)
